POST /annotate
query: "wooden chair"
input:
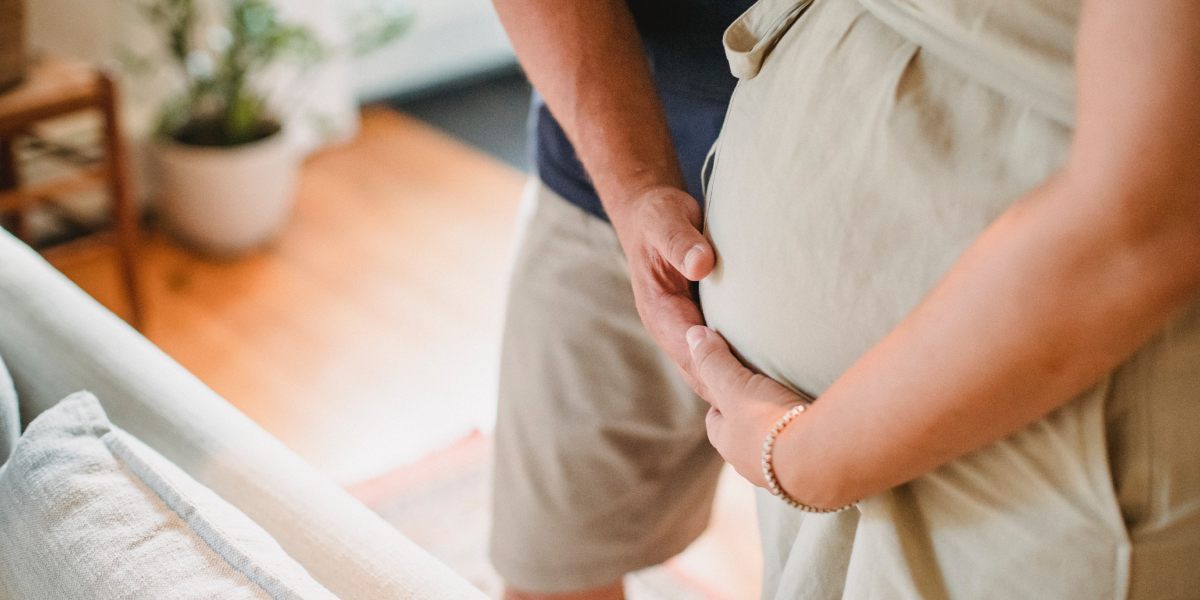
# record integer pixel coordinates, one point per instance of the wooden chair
(54, 87)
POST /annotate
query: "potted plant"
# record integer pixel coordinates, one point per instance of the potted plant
(227, 170)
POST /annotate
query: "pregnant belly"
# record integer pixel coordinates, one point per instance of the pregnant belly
(851, 173)
(805, 283)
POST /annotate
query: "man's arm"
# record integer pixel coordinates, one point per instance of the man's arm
(586, 60)
(1065, 285)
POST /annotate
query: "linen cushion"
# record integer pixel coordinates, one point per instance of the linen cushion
(10, 419)
(57, 339)
(88, 511)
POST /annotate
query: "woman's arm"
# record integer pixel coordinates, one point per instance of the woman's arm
(1064, 286)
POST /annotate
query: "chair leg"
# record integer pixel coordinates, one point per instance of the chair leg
(121, 192)
(8, 163)
(10, 178)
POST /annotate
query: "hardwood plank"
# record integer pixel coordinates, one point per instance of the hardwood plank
(367, 334)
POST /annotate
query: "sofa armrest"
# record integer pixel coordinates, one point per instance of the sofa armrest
(57, 340)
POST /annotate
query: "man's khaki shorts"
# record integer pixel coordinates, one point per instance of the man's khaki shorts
(602, 465)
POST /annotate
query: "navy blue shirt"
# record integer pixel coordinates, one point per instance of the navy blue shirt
(683, 42)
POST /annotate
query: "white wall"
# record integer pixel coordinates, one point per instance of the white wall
(448, 40)
(74, 27)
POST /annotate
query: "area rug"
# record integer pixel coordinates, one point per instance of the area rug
(441, 503)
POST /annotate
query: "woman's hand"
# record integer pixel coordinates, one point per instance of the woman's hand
(745, 404)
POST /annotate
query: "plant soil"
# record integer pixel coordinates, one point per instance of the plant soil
(211, 132)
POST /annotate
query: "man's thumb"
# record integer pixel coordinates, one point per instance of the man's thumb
(683, 246)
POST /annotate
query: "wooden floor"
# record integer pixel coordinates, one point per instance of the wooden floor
(368, 334)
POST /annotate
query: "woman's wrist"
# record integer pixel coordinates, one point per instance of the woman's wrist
(805, 472)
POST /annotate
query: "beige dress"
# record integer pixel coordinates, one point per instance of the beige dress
(867, 145)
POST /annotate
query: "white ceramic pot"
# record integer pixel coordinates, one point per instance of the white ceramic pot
(227, 201)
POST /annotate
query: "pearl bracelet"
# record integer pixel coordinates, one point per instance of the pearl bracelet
(768, 468)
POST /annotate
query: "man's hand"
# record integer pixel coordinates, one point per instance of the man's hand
(587, 61)
(659, 230)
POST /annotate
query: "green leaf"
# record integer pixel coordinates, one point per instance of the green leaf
(379, 26)
(243, 119)
(219, 105)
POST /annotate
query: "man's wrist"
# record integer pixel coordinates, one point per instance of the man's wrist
(625, 204)
(626, 180)
(630, 194)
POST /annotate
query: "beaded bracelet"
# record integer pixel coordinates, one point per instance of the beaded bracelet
(768, 468)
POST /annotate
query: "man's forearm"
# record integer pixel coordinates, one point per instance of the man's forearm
(587, 61)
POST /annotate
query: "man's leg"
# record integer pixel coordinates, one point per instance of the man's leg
(603, 464)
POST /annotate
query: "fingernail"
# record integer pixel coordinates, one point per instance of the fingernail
(695, 335)
(693, 255)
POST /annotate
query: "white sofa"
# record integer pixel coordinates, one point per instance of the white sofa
(57, 340)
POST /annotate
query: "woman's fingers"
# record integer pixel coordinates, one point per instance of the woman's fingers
(745, 405)
(716, 366)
